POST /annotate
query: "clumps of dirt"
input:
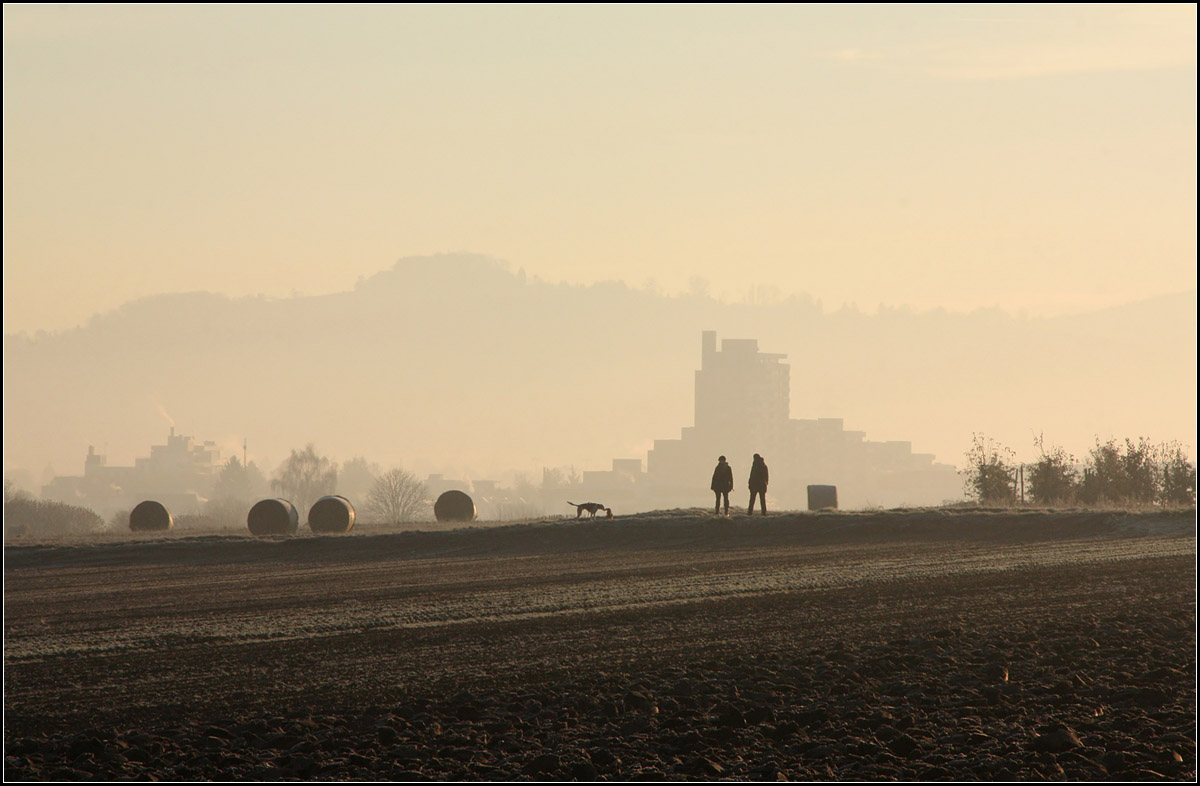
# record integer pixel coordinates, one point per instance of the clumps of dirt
(1069, 699)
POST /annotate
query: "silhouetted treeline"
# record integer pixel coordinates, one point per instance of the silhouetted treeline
(1128, 473)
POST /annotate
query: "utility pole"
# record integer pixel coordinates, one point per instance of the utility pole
(243, 452)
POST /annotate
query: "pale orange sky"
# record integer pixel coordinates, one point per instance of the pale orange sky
(1036, 158)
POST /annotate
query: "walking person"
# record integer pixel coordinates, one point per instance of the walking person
(722, 484)
(758, 484)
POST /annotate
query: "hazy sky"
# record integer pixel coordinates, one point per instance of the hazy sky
(1038, 158)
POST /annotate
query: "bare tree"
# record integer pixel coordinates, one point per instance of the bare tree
(304, 478)
(396, 496)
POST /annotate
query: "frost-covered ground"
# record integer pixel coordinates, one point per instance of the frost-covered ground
(899, 644)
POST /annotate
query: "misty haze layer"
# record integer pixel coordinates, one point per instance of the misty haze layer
(454, 364)
(1034, 156)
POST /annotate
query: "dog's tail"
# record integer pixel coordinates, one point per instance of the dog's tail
(572, 504)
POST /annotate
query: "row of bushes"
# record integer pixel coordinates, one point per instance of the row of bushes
(1136, 473)
(24, 516)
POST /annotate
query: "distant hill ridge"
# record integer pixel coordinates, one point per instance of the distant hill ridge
(437, 282)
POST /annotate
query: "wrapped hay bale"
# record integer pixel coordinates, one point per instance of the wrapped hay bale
(333, 513)
(454, 506)
(822, 497)
(273, 517)
(150, 516)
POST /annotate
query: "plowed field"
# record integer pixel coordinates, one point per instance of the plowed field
(932, 644)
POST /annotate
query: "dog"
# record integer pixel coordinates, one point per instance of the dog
(591, 508)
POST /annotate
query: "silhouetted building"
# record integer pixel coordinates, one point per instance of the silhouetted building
(179, 474)
(742, 408)
(620, 488)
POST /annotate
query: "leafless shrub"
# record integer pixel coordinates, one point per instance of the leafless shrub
(397, 496)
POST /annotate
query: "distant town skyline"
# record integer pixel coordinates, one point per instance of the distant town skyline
(741, 405)
(1034, 158)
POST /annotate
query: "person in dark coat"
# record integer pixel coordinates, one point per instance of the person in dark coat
(722, 483)
(758, 484)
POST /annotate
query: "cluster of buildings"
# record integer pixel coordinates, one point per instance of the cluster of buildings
(742, 407)
(179, 474)
(742, 401)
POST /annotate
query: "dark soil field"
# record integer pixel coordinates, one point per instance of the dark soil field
(914, 645)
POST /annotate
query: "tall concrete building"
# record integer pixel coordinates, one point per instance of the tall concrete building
(742, 402)
(742, 394)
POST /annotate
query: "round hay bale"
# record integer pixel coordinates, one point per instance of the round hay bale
(273, 517)
(150, 516)
(454, 506)
(333, 513)
(822, 497)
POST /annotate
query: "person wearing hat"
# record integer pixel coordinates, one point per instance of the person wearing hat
(758, 484)
(722, 483)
